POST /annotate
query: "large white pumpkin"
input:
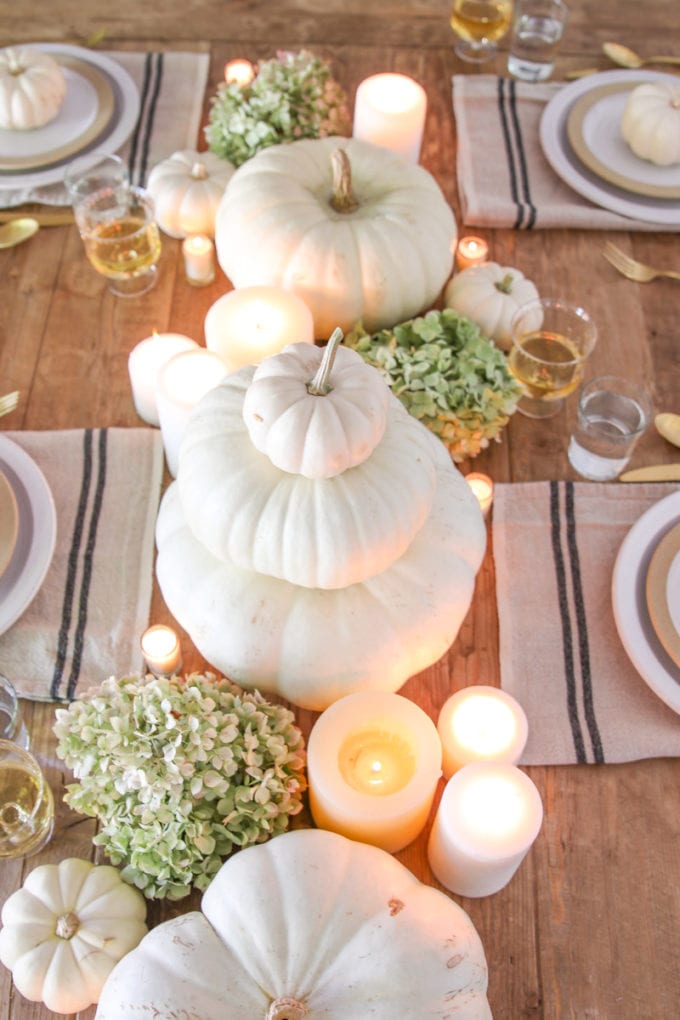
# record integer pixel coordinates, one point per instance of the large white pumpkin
(309, 925)
(378, 250)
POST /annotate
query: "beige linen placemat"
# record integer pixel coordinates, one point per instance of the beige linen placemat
(555, 546)
(171, 89)
(86, 620)
(504, 180)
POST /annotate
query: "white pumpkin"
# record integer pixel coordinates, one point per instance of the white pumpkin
(350, 227)
(651, 122)
(490, 294)
(66, 928)
(309, 925)
(32, 88)
(187, 189)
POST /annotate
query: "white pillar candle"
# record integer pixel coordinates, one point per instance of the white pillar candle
(182, 382)
(161, 650)
(373, 763)
(144, 364)
(389, 110)
(481, 724)
(482, 486)
(488, 818)
(240, 72)
(199, 260)
(471, 251)
(251, 323)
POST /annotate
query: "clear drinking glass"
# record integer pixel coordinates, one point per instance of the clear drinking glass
(26, 803)
(551, 340)
(537, 30)
(12, 725)
(478, 25)
(93, 172)
(612, 415)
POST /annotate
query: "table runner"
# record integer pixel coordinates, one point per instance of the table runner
(555, 545)
(171, 88)
(87, 618)
(504, 180)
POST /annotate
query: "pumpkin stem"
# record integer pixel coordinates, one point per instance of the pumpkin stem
(199, 171)
(320, 386)
(67, 925)
(286, 1009)
(504, 285)
(342, 199)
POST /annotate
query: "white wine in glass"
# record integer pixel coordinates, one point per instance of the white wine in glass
(478, 25)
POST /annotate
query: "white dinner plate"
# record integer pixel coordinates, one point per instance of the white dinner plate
(663, 592)
(567, 165)
(594, 131)
(9, 522)
(629, 600)
(118, 130)
(37, 535)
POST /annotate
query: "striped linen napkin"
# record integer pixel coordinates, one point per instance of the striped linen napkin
(555, 546)
(86, 620)
(171, 90)
(504, 180)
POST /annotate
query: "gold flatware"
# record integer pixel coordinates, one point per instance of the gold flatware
(653, 473)
(43, 217)
(631, 268)
(625, 57)
(18, 230)
(668, 426)
(9, 402)
(581, 72)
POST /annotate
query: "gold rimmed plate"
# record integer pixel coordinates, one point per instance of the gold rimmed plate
(9, 522)
(663, 592)
(594, 132)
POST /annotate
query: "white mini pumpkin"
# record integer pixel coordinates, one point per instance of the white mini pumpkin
(651, 122)
(350, 227)
(490, 295)
(32, 88)
(66, 928)
(309, 925)
(187, 189)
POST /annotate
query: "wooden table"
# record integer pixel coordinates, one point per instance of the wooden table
(589, 927)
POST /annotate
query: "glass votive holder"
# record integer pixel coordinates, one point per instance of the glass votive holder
(26, 803)
(161, 650)
(12, 725)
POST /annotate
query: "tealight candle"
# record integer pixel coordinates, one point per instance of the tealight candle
(373, 763)
(199, 260)
(240, 72)
(488, 818)
(182, 382)
(161, 650)
(389, 110)
(481, 724)
(482, 486)
(251, 323)
(471, 251)
(144, 364)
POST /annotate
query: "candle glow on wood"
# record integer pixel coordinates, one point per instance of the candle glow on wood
(251, 323)
(481, 724)
(488, 818)
(161, 650)
(471, 251)
(239, 72)
(199, 260)
(182, 382)
(144, 364)
(389, 110)
(482, 486)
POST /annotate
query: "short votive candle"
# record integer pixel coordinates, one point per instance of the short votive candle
(488, 818)
(482, 486)
(389, 110)
(481, 723)
(373, 764)
(199, 260)
(471, 251)
(144, 364)
(239, 72)
(161, 650)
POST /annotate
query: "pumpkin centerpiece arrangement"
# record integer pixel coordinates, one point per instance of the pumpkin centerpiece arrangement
(318, 540)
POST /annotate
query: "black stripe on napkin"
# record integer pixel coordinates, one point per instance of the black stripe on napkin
(505, 127)
(153, 103)
(134, 140)
(521, 157)
(141, 136)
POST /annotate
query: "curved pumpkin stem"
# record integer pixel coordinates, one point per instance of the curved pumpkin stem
(320, 385)
(342, 199)
(286, 1009)
(67, 925)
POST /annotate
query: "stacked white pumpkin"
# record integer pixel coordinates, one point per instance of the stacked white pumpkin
(318, 539)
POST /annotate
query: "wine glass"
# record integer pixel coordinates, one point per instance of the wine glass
(26, 803)
(479, 24)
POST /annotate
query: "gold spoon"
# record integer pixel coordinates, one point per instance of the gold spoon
(17, 231)
(668, 426)
(625, 57)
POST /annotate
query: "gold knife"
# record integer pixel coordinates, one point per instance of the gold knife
(653, 473)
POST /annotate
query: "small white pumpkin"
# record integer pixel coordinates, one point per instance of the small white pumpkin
(66, 928)
(309, 925)
(32, 88)
(310, 423)
(490, 295)
(187, 189)
(651, 122)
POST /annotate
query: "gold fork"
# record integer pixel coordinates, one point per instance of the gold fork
(9, 402)
(631, 268)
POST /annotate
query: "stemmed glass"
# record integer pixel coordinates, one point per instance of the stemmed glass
(478, 25)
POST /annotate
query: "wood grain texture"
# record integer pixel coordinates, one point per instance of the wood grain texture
(588, 928)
